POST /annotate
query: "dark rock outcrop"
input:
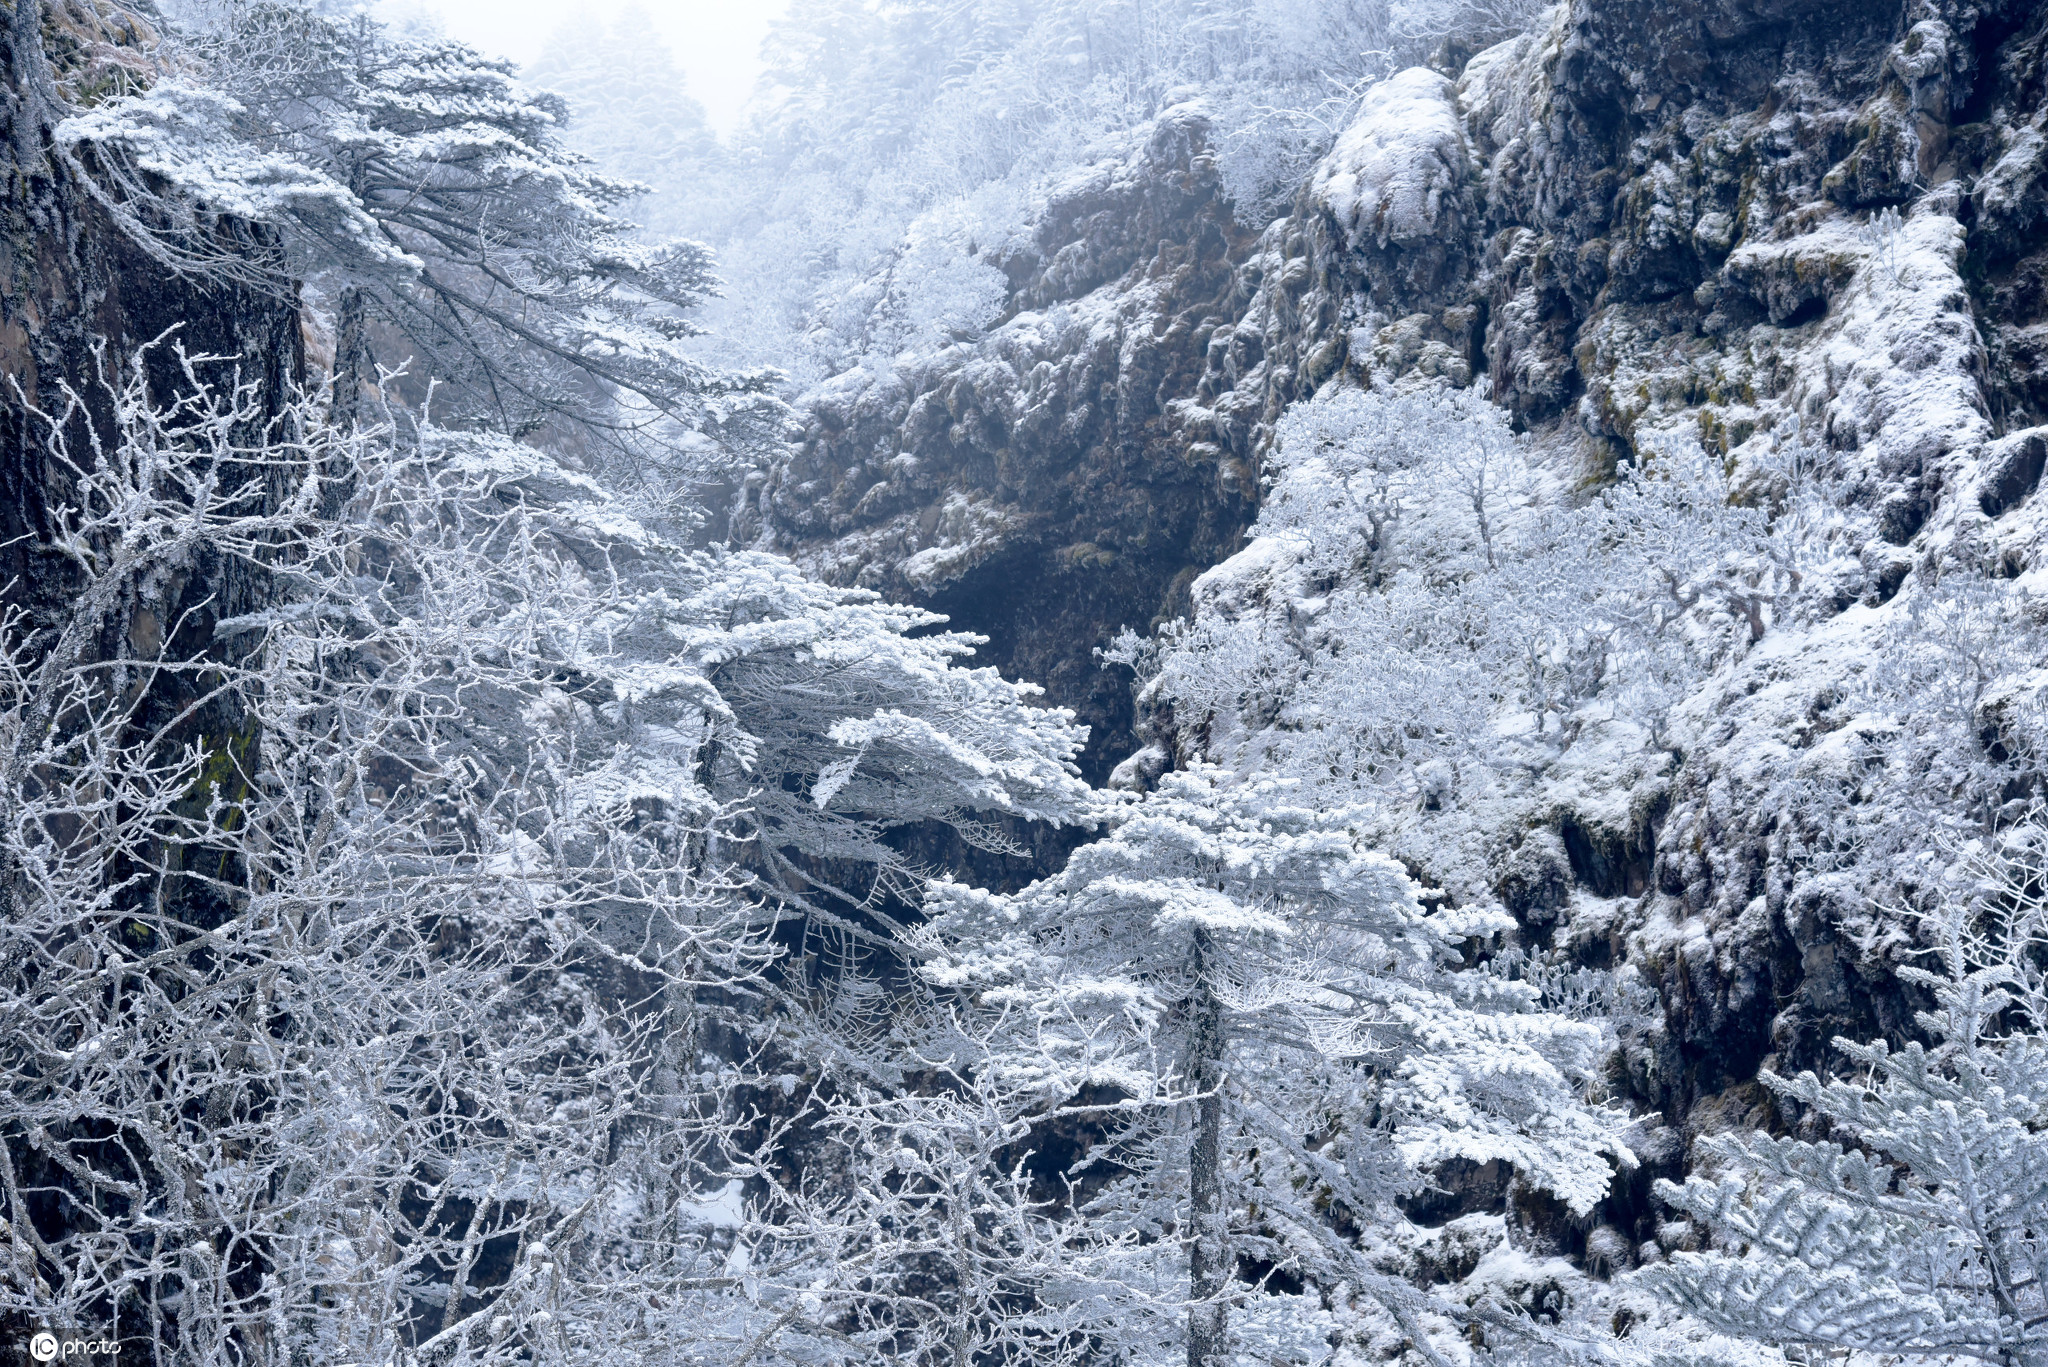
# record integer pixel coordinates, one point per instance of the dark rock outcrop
(80, 302)
(1036, 485)
(79, 305)
(1741, 220)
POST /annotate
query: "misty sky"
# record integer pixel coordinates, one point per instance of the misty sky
(715, 41)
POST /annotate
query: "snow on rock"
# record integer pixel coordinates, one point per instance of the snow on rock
(1786, 276)
(725, 1208)
(968, 531)
(1041, 470)
(1904, 366)
(2012, 193)
(925, 549)
(1395, 173)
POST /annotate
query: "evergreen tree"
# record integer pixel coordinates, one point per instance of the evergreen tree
(414, 185)
(1272, 1042)
(1923, 1228)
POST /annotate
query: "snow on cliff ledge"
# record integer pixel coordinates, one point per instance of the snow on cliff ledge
(1394, 170)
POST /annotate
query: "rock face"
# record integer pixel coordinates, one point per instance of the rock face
(1036, 484)
(81, 308)
(79, 301)
(1738, 220)
(1596, 218)
(1674, 202)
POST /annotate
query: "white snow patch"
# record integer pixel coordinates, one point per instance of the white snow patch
(969, 530)
(1391, 172)
(724, 1209)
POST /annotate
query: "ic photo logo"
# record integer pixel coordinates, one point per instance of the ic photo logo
(48, 1347)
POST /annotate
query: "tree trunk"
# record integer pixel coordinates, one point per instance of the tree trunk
(351, 356)
(1209, 1260)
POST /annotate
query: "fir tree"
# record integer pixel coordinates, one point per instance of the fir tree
(1923, 1228)
(1275, 1041)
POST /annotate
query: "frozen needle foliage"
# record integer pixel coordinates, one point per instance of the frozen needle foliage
(1918, 1227)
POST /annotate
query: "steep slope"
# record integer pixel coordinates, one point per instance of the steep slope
(1687, 235)
(1598, 217)
(1784, 232)
(1779, 230)
(1033, 483)
(79, 300)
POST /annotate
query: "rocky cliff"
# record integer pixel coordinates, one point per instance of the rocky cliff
(1750, 222)
(1035, 483)
(80, 302)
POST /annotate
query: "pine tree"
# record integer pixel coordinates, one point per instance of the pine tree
(1923, 1227)
(415, 186)
(1272, 1041)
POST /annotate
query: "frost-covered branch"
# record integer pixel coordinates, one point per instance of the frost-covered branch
(1925, 1238)
(389, 965)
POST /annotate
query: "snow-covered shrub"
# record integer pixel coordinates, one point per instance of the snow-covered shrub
(1964, 663)
(1407, 586)
(1436, 621)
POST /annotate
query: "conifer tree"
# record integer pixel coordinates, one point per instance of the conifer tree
(1273, 1041)
(1921, 1226)
(415, 186)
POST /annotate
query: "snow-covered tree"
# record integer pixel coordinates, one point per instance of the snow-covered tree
(414, 186)
(1921, 1226)
(631, 112)
(388, 958)
(1425, 596)
(1263, 1040)
(314, 1047)
(840, 726)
